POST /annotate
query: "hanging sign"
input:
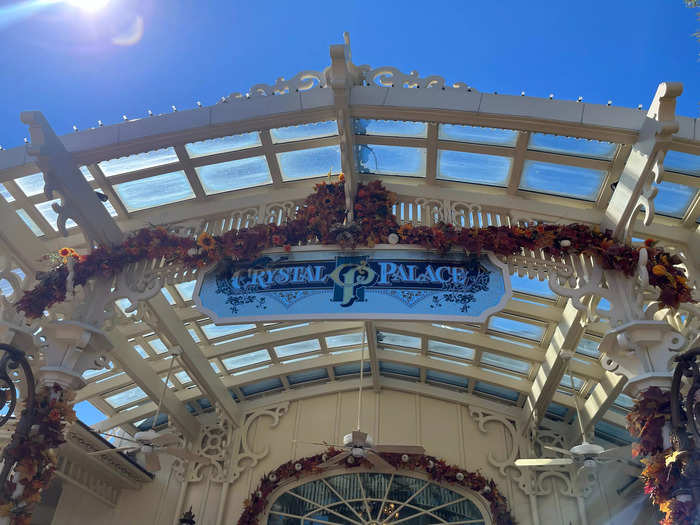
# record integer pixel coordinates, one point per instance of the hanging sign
(385, 283)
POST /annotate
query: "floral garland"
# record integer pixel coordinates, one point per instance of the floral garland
(647, 421)
(35, 453)
(437, 469)
(320, 219)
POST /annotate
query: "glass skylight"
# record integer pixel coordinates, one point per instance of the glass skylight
(186, 289)
(126, 397)
(399, 369)
(6, 194)
(139, 161)
(673, 199)
(158, 346)
(588, 347)
(444, 377)
(477, 135)
(439, 347)
(223, 144)
(496, 391)
(508, 363)
(141, 351)
(88, 414)
(213, 331)
(86, 173)
(234, 175)
(566, 382)
(251, 358)
(51, 216)
(265, 385)
(391, 128)
(307, 163)
(110, 209)
(572, 146)
(193, 335)
(304, 131)
(351, 368)
(476, 168)
(333, 341)
(391, 160)
(531, 286)
(31, 184)
(154, 191)
(297, 348)
(307, 375)
(682, 163)
(559, 179)
(387, 338)
(29, 222)
(517, 328)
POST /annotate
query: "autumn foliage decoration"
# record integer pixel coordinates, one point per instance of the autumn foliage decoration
(321, 219)
(436, 469)
(35, 453)
(648, 421)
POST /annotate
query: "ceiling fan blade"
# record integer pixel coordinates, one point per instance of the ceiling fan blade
(152, 462)
(165, 440)
(399, 449)
(123, 438)
(185, 454)
(377, 460)
(322, 443)
(543, 462)
(112, 450)
(359, 437)
(617, 452)
(559, 450)
(335, 459)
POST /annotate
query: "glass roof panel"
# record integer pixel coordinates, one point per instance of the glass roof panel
(223, 144)
(51, 216)
(388, 338)
(234, 175)
(31, 184)
(477, 135)
(531, 286)
(86, 173)
(141, 351)
(158, 346)
(558, 179)
(476, 168)
(213, 331)
(265, 385)
(297, 348)
(110, 209)
(444, 377)
(351, 368)
(508, 363)
(307, 163)
(391, 160)
(251, 358)
(625, 401)
(572, 146)
(154, 191)
(333, 341)
(126, 397)
(313, 130)
(29, 222)
(88, 414)
(168, 296)
(682, 163)
(496, 391)
(588, 347)
(517, 328)
(399, 368)
(183, 377)
(6, 194)
(186, 289)
(439, 347)
(673, 199)
(307, 375)
(139, 161)
(193, 335)
(612, 433)
(391, 128)
(566, 382)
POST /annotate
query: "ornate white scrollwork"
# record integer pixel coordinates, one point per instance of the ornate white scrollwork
(229, 449)
(388, 76)
(304, 81)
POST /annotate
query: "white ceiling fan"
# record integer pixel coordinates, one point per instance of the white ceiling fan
(150, 442)
(359, 445)
(586, 456)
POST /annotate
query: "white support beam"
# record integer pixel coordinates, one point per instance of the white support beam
(371, 331)
(556, 360)
(516, 167)
(431, 155)
(601, 399)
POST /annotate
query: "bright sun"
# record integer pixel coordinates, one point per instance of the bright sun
(89, 5)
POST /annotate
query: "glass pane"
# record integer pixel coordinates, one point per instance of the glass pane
(51, 216)
(316, 491)
(6, 194)
(350, 368)
(682, 163)
(272, 383)
(31, 184)
(392, 128)
(290, 504)
(399, 368)
(566, 382)
(186, 290)
(307, 375)
(239, 361)
(519, 328)
(558, 179)
(573, 146)
(141, 351)
(297, 348)
(514, 365)
(476, 168)
(477, 135)
(158, 346)
(139, 161)
(391, 160)
(234, 175)
(398, 339)
(213, 331)
(624, 401)
(444, 377)
(452, 350)
(110, 209)
(673, 199)
(531, 286)
(126, 397)
(347, 486)
(588, 347)
(305, 131)
(183, 377)
(154, 191)
(87, 413)
(613, 433)
(461, 511)
(344, 340)
(29, 222)
(306, 163)
(375, 485)
(497, 391)
(223, 144)
(86, 173)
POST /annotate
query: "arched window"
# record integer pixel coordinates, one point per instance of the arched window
(370, 498)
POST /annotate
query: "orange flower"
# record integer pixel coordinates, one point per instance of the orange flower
(659, 270)
(206, 241)
(66, 252)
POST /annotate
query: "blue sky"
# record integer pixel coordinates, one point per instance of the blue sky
(62, 61)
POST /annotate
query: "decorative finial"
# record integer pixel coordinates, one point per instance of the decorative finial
(187, 518)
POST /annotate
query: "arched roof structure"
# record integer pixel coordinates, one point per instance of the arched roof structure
(449, 151)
